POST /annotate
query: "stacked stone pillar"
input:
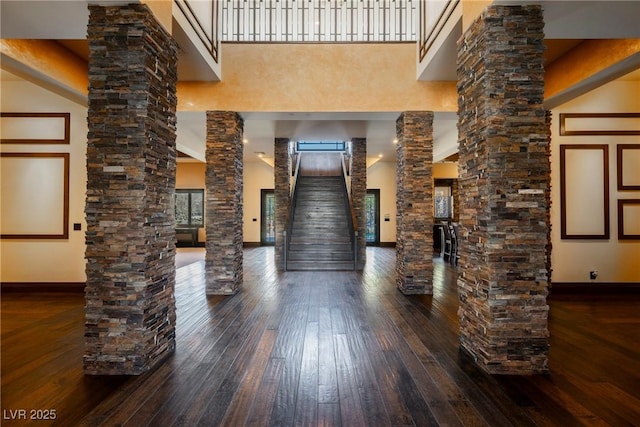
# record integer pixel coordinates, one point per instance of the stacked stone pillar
(504, 189)
(223, 203)
(414, 203)
(358, 194)
(282, 193)
(131, 167)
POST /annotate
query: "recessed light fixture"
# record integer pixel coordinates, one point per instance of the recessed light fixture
(380, 155)
(245, 140)
(395, 140)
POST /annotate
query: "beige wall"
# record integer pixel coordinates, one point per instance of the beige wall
(616, 261)
(325, 77)
(471, 9)
(447, 170)
(47, 61)
(45, 261)
(594, 56)
(190, 175)
(382, 175)
(257, 176)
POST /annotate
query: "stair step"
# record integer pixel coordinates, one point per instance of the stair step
(321, 256)
(311, 240)
(319, 265)
(300, 246)
(319, 216)
(325, 225)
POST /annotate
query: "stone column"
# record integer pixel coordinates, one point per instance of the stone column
(455, 194)
(282, 171)
(131, 167)
(223, 203)
(358, 194)
(414, 203)
(504, 189)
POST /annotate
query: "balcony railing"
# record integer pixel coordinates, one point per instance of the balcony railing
(203, 18)
(433, 15)
(319, 20)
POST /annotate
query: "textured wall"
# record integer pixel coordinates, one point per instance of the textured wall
(414, 238)
(131, 167)
(504, 191)
(223, 202)
(282, 170)
(328, 77)
(358, 194)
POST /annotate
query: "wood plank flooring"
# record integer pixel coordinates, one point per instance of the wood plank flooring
(322, 349)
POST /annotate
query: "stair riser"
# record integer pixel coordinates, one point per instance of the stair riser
(316, 266)
(330, 247)
(312, 257)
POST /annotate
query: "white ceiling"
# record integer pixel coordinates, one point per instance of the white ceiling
(260, 130)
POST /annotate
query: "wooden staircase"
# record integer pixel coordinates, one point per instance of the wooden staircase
(320, 232)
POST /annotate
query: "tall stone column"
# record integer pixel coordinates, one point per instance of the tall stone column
(504, 189)
(414, 203)
(223, 203)
(358, 194)
(131, 168)
(282, 170)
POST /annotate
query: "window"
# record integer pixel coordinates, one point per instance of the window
(190, 208)
(443, 202)
(321, 146)
(372, 217)
(268, 217)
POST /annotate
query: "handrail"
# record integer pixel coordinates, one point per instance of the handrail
(427, 36)
(296, 170)
(208, 36)
(286, 248)
(353, 220)
(292, 204)
(355, 250)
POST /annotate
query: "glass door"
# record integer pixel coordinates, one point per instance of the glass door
(268, 218)
(372, 217)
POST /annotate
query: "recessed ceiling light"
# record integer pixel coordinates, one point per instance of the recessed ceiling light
(395, 140)
(380, 155)
(244, 141)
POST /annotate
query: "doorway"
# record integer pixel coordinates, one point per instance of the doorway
(267, 217)
(372, 217)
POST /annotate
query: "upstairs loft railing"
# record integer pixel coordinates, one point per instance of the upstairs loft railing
(341, 21)
(317, 21)
(203, 17)
(433, 15)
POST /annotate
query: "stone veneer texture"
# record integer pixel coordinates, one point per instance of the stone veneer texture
(414, 203)
(504, 189)
(223, 203)
(282, 194)
(358, 194)
(131, 166)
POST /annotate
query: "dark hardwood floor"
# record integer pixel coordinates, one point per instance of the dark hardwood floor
(322, 348)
